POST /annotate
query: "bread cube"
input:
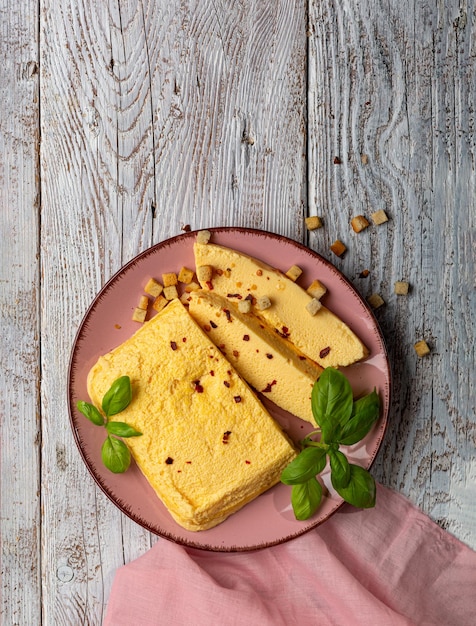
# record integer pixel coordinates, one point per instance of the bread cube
(153, 287)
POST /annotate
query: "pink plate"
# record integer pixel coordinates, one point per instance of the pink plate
(269, 519)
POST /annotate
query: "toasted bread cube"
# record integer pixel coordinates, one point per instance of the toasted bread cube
(338, 248)
(359, 223)
(263, 303)
(401, 288)
(170, 292)
(193, 286)
(244, 306)
(422, 348)
(204, 273)
(153, 287)
(185, 275)
(316, 289)
(379, 217)
(203, 236)
(159, 303)
(169, 279)
(375, 300)
(313, 306)
(313, 222)
(294, 272)
(143, 303)
(185, 298)
(139, 315)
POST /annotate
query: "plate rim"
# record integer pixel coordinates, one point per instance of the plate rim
(136, 517)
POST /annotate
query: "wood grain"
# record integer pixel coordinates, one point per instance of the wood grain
(153, 116)
(396, 82)
(122, 122)
(20, 335)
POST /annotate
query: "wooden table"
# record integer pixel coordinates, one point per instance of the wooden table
(121, 122)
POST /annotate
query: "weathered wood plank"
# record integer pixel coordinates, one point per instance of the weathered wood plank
(19, 301)
(396, 82)
(153, 116)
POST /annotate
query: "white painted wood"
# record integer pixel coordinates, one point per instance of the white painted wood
(396, 82)
(153, 116)
(158, 114)
(20, 291)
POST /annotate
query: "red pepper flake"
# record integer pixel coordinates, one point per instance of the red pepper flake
(364, 273)
(212, 324)
(219, 271)
(246, 337)
(259, 272)
(269, 387)
(209, 284)
(248, 462)
(237, 399)
(269, 355)
(302, 358)
(324, 352)
(179, 471)
(207, 328)
(227, 314)
(169, 460)
(226, 436)
(228, 372)
(212, 373)
(184, 339)
(236, 354)
(187, 228)
(234, 295)
(226, 383)
(284, 333)
(188, 462)
(198, 386)
(221, 347)
(173, 345)
(250, 297)
(337, 161)
(117, 326)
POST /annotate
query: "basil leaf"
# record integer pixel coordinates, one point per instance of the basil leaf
(365, 413)
(306, 498)
(91, 412)
(118, 397)
(115, 455)
(121, 429)
(360, 490)
(306, 465)
(340, 469)
(331, 402)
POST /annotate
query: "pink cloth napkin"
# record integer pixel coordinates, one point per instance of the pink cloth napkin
(390, 565)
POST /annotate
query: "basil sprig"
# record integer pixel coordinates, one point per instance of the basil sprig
(114, 452)
(341, 421)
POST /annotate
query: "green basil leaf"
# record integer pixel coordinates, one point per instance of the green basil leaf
(118, 397)
(121, 429)
(306, 465)
(331, 402)
(115, 455)
(340, 469)
(360, 490)
(306, 498)
(91, 412)
(365, 413)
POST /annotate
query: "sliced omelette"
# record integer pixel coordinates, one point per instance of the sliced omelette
(208, 445)
(263, 358)
(323, 337)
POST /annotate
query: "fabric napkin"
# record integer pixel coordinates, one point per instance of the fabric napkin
(387, 566)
